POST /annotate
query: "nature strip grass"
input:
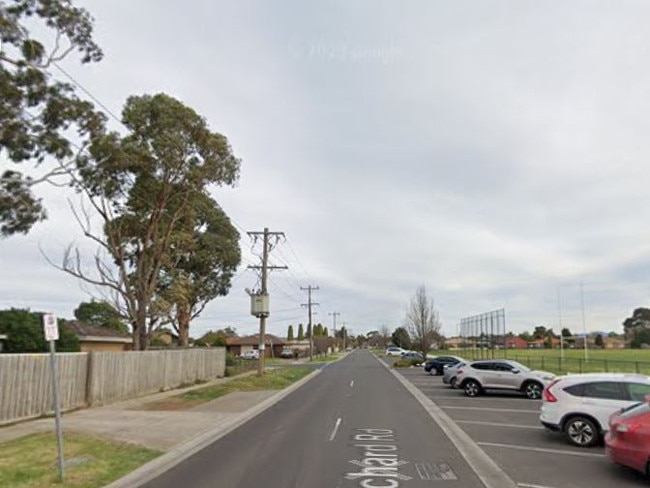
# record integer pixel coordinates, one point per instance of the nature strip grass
(31, 461)
(274, 379)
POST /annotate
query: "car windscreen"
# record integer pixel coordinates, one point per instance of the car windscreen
(636, 409)
(519, 366)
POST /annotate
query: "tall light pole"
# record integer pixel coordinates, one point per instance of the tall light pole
(559, 312)
(584, 322)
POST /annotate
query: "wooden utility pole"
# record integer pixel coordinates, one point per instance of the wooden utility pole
(310, 327)
(334, 315)
(262, 297)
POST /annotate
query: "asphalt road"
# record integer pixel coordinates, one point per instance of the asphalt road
(506, 427)
(354, 425)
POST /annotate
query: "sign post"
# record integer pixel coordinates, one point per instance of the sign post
(51, 329)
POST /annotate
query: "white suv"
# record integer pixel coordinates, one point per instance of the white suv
(501, 374)
(580, 405)
(395, 351)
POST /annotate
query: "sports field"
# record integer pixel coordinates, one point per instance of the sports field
(571, 360)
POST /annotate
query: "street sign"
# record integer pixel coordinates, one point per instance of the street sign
(50, 327)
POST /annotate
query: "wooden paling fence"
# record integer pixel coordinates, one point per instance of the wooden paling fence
(95, 378)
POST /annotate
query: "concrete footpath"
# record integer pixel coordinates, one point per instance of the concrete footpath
(177, 433)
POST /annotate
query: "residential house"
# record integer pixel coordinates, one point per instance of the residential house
(100, 339)
(543, 343)
(614, 343)
(239, 345)
(516, 343)
(453, 342)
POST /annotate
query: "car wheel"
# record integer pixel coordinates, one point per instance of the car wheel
(472, 388)
(452, 382)
(533, 390)
(581, 432)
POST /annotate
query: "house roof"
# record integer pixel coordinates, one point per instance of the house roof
(90, 333)
(254, 340)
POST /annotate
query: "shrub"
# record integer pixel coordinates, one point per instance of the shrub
(406, 363)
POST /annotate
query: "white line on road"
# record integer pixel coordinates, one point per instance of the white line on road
(495, 424)
(490, 474)
(484, 409)
(336, 428)
(528, 485)
(351, 383)
(539, 449)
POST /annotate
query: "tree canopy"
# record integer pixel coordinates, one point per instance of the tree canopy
(170, 247)
(100, 314)
(401, 338)
(38, 110)
(24, 330)
(422, 321)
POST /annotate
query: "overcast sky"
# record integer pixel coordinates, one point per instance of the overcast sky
(496, 152)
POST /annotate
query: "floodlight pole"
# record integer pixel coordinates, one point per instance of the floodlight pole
(584, 323)
(559, 311)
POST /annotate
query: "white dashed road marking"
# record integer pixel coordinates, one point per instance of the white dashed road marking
(336, 428)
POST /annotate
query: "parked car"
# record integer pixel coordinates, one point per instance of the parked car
(287, 353)
(580, 405)
(251, 354)
(413, 355)
(628, 440)
(450, 372)
(501, 374)
(395, 351)
(437, 365)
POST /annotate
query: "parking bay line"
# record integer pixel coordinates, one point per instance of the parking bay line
(528, 485)
(483, 409)
(541, 449)
(496, 424)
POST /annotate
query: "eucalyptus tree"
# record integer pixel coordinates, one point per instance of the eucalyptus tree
(39, 109)
(162, 236)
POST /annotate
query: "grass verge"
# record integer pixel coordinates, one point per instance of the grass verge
(31, 461)
(274, 379)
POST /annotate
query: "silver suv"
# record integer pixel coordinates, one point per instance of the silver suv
(501, 374)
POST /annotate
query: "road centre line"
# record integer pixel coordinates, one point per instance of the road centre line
(541, 449)
(336, 428)
(496, 424)
(485, 409)
(351, 383)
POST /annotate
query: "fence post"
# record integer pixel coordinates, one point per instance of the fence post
(89, 379)
(580, 364)
(606, 367)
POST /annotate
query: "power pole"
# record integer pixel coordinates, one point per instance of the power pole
(309, 304)
(260, 300)
(334, 315)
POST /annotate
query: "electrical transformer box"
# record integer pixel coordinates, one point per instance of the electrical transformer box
(260, 305)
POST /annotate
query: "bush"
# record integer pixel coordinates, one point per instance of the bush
(406, 363)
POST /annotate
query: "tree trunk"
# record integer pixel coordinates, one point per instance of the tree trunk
(183, 317)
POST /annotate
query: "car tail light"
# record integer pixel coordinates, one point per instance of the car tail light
(548, 396)
(624, 428)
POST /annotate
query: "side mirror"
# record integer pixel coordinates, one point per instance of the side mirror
(515, 371)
